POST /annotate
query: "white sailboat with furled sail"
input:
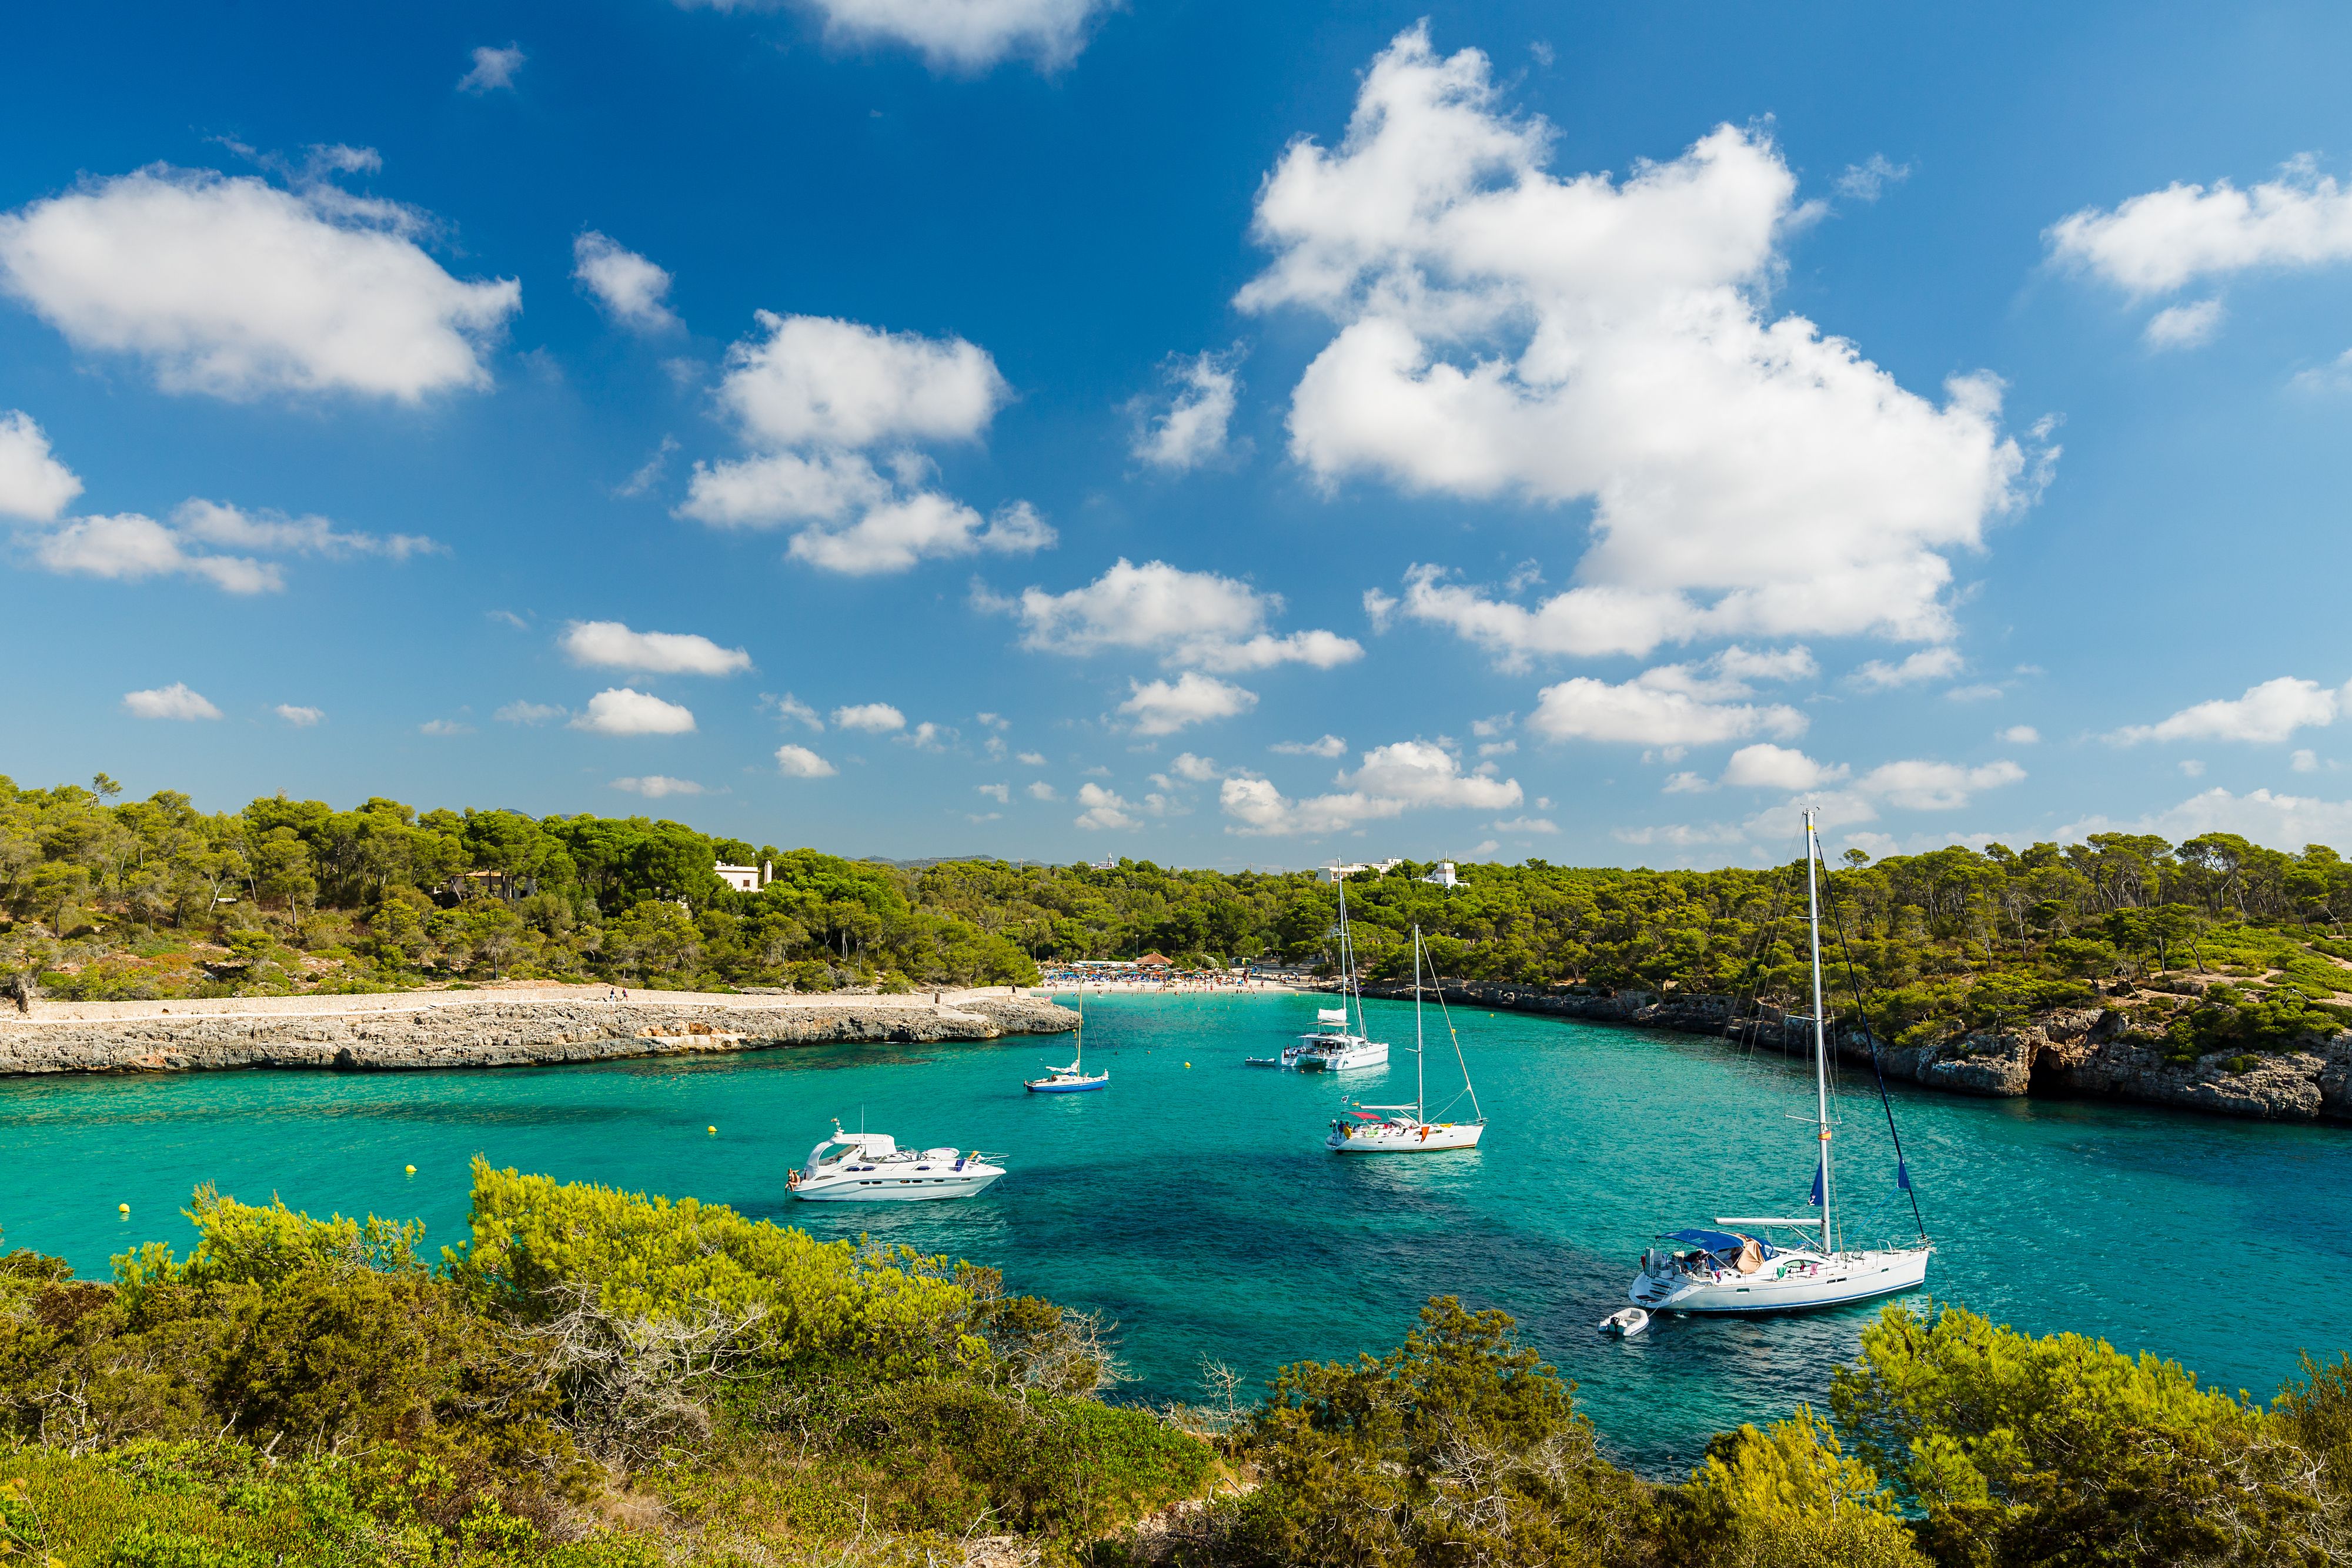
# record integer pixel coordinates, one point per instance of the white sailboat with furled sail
(1407, 1129)
(1724, 1268)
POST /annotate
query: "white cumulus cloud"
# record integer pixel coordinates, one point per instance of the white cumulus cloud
(631, 289)
(299, 717)
(1501, 330)
(1105, 809)
(235, 288)
(624, 710)
(1189, 427)
(799, 762)
(2267, 713)
(1917, 785)
(493, 68)
(613, 645)
(954, 35)
(1767, 766)
(1190, 619)
(1926, 664)
(1327, 746)
(1673, 705)
(875, 718)
(33, 485)
(175, 701)
(2184, 326)
(896, 535)
(1164, 708)
(128, 547)
(1393, 779)
(817, 400)
(2165, 240)
(818, 380)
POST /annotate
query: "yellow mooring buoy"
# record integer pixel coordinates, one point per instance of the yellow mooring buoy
(125, 1208)
(412, 1170)
(1188, 1064)
(712, 1131)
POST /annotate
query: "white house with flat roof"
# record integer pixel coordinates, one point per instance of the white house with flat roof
(746, 878)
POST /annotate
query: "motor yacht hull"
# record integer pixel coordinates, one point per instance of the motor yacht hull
(1791, 1281)
(889, 1187)
(1390, 1138)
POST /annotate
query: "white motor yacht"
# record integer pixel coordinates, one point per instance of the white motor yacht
(1729, 1270)
(870, 1167)
(1407, 1129)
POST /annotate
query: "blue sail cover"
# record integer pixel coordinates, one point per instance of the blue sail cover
(1711, 1240)
(1817, 1181)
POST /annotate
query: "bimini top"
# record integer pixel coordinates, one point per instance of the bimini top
(1716, 1240)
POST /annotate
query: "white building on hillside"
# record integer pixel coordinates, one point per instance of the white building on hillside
(1444, 875)
(745, 878)
(1378, 868)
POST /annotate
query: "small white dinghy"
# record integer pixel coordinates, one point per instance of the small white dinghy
(1625, 1322)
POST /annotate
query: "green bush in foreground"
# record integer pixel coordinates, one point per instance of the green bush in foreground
(2064, 1450)
(604, 1380)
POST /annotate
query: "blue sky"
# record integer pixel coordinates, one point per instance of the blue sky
(1224, 434)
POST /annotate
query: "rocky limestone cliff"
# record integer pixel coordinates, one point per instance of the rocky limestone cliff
(2073, 1052)
(491, 1033)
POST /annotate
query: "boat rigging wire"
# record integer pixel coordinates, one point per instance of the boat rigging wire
(1870, 1036)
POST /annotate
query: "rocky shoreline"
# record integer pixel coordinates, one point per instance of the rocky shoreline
(2069, 1053)
(500, 1032)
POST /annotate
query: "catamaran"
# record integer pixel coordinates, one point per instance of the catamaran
(1729, 1270)
(1333, 1048)
(1073, 1079)
(870, 1167)
(1388, 1129)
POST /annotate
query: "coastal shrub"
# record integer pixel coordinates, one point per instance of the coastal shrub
(1787, 1498)
(2063, 1450)
(307, 1337)
(952, 1453)
(1460, 1446)
(890, 1308)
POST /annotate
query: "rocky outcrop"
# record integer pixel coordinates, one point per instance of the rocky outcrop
(2077, 1052)
(492, 1033)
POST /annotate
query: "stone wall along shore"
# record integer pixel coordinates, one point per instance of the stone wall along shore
(493, 1030)
(2073, 1052)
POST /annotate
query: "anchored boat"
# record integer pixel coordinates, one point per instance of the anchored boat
(1407, 1129)
(1333, 1047)
(1725, 1269)
(1073, 1079)
(870, 1167)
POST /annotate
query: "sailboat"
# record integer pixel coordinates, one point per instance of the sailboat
(1332, 1048)
(1365, 1130)
(1729, 1271)
(1073, 1079)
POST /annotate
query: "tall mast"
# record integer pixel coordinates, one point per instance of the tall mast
(1821, 1033)
(1420, 1084)
(1347, 961)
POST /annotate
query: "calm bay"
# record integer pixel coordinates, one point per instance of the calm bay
(1197, 1206)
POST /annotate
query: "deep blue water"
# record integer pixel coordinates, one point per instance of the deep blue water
(1197, 1206)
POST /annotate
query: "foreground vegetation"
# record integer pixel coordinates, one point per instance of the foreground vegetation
(598, 1380)
(2212, 945)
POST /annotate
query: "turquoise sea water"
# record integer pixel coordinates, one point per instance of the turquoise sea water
(1198, 1207)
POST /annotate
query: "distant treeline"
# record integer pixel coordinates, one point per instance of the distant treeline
(2208, 944)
